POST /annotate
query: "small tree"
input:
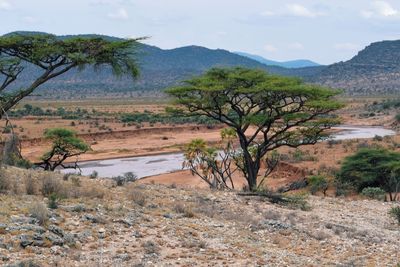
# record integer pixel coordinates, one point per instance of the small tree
(214, 166)
(266, 111)
(65, 144)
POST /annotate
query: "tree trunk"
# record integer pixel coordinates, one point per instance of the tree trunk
(251, 167)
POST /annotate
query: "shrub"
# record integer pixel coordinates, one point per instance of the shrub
(53, 201)
(378, 138)
(51, 185)
(298, 201)
(30, 186)
(397, 117)
(395, 213)
(318, 183)
(130, 177)
(5, 183)
(127, 177)
(39, 211)
(94, 175)
(372, 167)
(183, 209)
(137, 197)
(374, 193)
(343, 188)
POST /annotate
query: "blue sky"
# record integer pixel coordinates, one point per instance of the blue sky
(323, 31)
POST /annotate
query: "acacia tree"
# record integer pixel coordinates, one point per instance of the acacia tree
(65, 144)
(372, 167)
(266, 111)
(54, 56)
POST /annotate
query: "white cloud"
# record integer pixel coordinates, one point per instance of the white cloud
(302, 11)
(347, 46)
(120, 14)
(4, 4)
(296, 46)
(380, 9)
(270, 48)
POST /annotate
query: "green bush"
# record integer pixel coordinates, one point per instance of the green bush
(94, 175)
(374, 193)
(53, 201)
(126, 178)
(372, 167)
(395, 213)
(343, 188)
(318, 183)
(397, 117)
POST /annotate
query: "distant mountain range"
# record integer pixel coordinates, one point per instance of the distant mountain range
(299, 63)
(375, 69)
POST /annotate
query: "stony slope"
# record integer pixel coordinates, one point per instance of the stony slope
(153, 225)
(375, 70)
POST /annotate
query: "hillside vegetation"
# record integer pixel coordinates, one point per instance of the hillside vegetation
(375, 70)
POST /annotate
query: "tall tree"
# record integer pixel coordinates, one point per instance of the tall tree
(266, 111)
(55, 56)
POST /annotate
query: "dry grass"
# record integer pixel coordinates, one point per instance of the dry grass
(39, 211)
(137, 196)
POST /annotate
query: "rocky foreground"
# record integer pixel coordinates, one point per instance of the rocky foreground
(97, 223)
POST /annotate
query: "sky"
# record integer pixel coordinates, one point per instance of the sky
(323, 31)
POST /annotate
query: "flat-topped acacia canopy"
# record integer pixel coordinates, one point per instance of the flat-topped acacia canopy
(55, 56)
(280, 111)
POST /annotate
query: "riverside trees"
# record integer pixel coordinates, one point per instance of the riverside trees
(266, 111)
(65, 144)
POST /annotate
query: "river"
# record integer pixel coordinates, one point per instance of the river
(166, 163)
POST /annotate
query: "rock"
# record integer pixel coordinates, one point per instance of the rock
(55, 240)
(137, 234)
(4, 258)
(69, 239)
(168, 216)
(39, 243)
(83, 236)
(33, 228)
(92, 218)
(123, 257)
(56, 230)
(55, 250)
(23, 220)
(274, 224)
(37, 236)
(78, 245)
(3, 227)
(79, 208)
(127, 222)
(25, 240)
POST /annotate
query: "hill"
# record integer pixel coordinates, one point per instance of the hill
(374, 70)
(299, 63)
(159, 69)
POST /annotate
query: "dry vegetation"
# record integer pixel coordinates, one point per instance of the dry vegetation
(98, 223)
(50, 219)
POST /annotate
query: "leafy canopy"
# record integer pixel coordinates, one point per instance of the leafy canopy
(55, 56)
(372, 167)
(266, 111)
(65, 144)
